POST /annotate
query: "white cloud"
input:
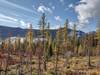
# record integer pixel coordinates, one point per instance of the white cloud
(58, 18)
(34, 7)
(71, 24)
(12, 22)
(5, 2)
(4, 17)
(86, 10)
(22, 23)
(53, 7)
(55, 27)
(71, 5)
(43, 9)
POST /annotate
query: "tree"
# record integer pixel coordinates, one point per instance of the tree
(98, 37)
(80, 50)
(18, 43)
(59, 38)
(30, 46)
(88, 47)
(74, 40)
(1, 46)
(65, 31)
(0, 40)
(29, 39)
(98, 31)
(8, 48)
(65, 37)
(48, 42)
(39, 54)
(57, 49)
(42, 25)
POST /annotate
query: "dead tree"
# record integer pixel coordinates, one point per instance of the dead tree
(8, 48)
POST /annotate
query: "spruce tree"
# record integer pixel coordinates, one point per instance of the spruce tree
(65, 37)
(8, 48)
(29, 39)
(57, 49)
(30, 46)
(74, 40)
(98, 37)
(66, 31)
(42, 26)
(48, 42)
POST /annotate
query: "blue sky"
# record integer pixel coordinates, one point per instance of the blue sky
(19, 13)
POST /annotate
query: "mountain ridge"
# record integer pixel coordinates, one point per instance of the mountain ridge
(4, 30)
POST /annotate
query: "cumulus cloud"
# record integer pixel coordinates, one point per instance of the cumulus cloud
(22, 23)
(86, 10)
(71, 24)
(71, 5)
(58, 18)
(43, 9)
(53, 7)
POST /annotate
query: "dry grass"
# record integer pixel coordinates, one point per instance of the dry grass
(74, 66)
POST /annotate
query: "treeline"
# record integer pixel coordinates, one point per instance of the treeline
(45, 48)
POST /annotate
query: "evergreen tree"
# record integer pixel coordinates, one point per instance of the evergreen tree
(29, 39)
(48, 42)
(18, 43)
(30, 46)
(89, 43)
(98, 37)
(8, 48)
(65, 37)
(66, 31)
(57, 49)
(74, 40)
(98, 31)
(80, 50)
(42, 25)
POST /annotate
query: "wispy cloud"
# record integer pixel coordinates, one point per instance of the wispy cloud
(7, 18)
(18, 6)
(11, 21)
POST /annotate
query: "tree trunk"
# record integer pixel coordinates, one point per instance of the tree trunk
(56, 65)
(89, 58)
(39, 65)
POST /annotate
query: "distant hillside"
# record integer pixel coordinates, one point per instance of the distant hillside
(15, 31)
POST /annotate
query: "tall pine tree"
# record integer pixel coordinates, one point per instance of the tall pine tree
(98, 37)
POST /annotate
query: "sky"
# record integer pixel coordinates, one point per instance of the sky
(20, 13)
